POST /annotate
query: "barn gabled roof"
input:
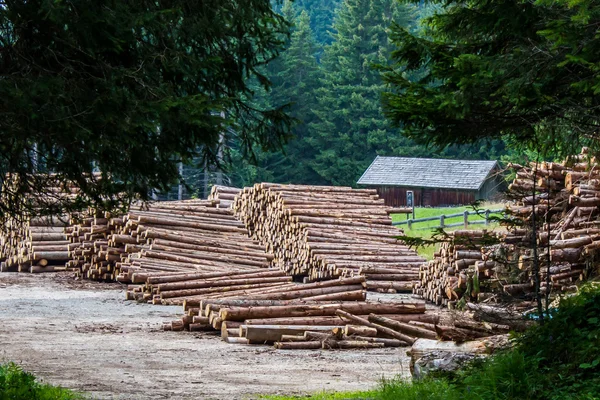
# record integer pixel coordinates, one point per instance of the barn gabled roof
(427, 173)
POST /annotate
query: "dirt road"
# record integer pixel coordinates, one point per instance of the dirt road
(85, 336)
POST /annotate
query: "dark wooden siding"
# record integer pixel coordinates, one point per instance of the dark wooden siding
(425, 197)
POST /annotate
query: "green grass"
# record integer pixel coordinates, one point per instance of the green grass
(327, 396)
(395, 389)
(425, 230)
(16, 384)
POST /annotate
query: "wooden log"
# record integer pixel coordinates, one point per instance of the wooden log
(355, 295)
(51, 255)
(199, 284)
(335, 320)
(410, 330)
(314, 294)
(292, 338)
(272, 333)
(385, 341)
(351, 344)
(405, 338)
(312, 345)
(186, 276)
(236, 340)
(242, 313)
(359, 330)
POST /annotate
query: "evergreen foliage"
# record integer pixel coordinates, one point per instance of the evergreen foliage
(351, 128)
(523, 69)
(322, 14)
(129, 89)
(334, 93)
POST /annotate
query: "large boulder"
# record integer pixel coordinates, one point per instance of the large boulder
(428, 356)
(441, 362)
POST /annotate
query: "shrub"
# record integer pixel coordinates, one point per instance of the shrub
(16, 384)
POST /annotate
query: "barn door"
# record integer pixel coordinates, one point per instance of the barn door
(427, 197)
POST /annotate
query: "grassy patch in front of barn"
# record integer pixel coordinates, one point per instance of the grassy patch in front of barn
(426, 229)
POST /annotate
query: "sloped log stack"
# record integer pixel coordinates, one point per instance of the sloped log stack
(171, 237)
(556, 207)
(264, 284)
(321, 232)
(38, 245)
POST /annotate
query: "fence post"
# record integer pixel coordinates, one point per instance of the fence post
(487, 217)
(409, 224)
(442, 218)
(466, 219)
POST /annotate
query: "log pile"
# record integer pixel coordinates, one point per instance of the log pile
(263, 284)
(555, 210)
(38, 245)
(32, 239)
(304, 323)
(191, 236)
(223, 196)
(460, 267)
(560, 200)
(321, 232)
(317, 323)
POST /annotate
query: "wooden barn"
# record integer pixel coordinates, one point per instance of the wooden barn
(434, 182)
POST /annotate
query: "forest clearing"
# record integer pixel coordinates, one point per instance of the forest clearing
(215, 199)
(233, 262)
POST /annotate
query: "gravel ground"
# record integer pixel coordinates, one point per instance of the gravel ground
(85, 336)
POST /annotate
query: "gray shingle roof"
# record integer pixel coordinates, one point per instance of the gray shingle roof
(427, 172)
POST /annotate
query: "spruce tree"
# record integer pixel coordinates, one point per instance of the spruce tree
(294, 77)
(322, 13)
(526, 70)
(352, 129)
(126, 88)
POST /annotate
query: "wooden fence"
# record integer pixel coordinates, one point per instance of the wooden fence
(442, 218)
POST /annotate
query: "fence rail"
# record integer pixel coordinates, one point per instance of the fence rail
(442, 219)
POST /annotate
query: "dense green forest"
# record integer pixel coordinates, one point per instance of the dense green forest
(330, 78)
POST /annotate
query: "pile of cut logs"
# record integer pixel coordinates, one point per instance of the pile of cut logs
(38, 245)
(562, 201)
(310, 323)
(190, 236)
(263, 284)
(461, 267)
(322, 232)
(223, 196)
(556, 207)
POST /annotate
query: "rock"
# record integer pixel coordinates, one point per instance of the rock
(441, 361)
(437, 356)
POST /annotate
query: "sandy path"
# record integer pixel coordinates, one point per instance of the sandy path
(85, 336)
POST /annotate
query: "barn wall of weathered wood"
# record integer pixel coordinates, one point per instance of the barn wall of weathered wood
(425, 197)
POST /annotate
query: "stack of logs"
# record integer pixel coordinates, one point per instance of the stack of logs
(321, 232)
(263, 284)
(460, 267)
(562, 202)
(223, 196)
(190, 236)
(565, 210)
(310, 323)
(38, 245)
